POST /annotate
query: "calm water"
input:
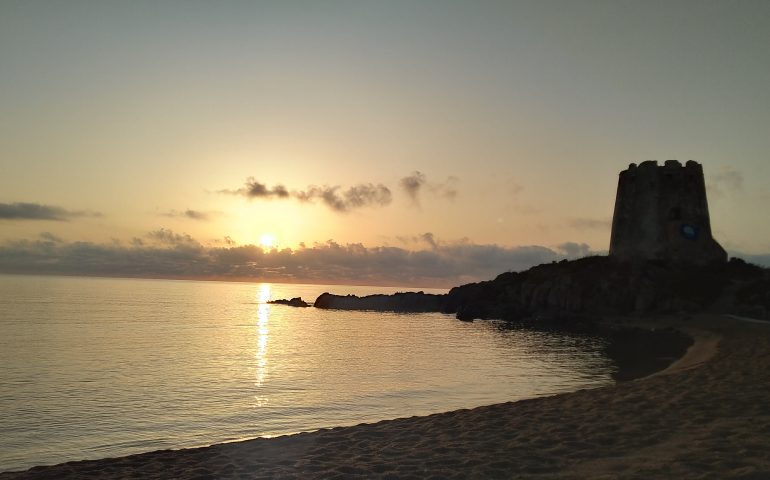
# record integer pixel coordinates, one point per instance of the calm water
(91, 368)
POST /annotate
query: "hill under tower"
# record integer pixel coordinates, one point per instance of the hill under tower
(661, 213)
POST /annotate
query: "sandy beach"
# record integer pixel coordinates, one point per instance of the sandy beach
(706, 416)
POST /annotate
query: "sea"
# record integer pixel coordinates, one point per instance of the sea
(104, 367)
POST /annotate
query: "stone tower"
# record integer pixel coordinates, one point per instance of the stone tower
(661, 213)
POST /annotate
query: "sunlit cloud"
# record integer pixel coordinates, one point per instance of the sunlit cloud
(572, 250)
(412, 184)
(446, 189)
(430, 240)
(255, 189)
(334, 197)
(343, 200)
(168, 237)
(426, 238)
(192, 214)
(362, 195)
(418, 182)
(36, 211)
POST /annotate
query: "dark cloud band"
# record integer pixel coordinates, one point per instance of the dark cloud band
(36, 211)
(164, 253)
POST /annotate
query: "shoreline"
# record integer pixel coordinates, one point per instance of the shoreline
(699, 344)
(704, 415)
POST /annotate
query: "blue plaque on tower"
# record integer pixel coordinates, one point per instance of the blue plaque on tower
(689, 232)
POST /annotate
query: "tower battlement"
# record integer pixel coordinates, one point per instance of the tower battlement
(661, 213)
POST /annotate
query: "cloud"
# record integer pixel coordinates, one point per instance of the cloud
(446, 189)
(362, 195)
(515, 188)
(573, 250)
(192, 214)
(429, 239)
(590, 224)
(196, 215)
(344, 200)
(168, 237)
(727, 181)
(412, 184)
(255, 189)
(334, 197)
(164, 253)
(36, 211)
(424, 238)
(50, 237)
(417, 182)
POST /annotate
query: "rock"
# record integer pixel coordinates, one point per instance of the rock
(600, 286)
(398, 302)
(294, 302)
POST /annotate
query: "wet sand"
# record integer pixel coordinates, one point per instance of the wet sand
(705, 416)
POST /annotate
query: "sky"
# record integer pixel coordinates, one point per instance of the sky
(372, 142)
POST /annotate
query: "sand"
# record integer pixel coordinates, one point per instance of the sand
(706, 416)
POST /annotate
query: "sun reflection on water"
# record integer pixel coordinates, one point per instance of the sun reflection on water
(263, 316)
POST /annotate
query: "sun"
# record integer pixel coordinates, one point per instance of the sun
(267, 240)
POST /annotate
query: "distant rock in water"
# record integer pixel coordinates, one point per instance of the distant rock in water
(294, 302)
(398, 302)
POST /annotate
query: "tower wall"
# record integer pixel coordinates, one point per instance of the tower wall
(661, 213)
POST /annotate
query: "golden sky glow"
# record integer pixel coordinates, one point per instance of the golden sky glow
(141, 117)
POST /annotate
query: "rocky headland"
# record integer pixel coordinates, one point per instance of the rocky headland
(586, 289)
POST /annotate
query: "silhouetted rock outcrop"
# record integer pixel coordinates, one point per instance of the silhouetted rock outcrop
(294, 302)
(597, 286)
(398, 302)
(580, 291)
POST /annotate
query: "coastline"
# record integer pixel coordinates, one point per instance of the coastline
(706, 415)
